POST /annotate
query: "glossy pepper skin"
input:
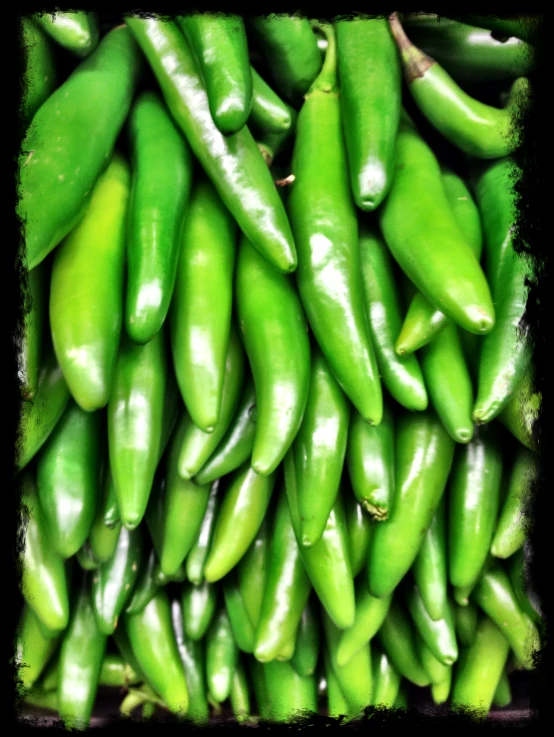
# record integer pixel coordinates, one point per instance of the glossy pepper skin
(81, 656)
(290, 51)
(424, 453)
(430, 568)
(44, 580)
(465, 621)
(370, 462)
(199, 605)
(192, 657)
(426, 241)
(71, 138)
(370, 83)
(219, 43)
(135, 417)
(521, 411)
(505, 353)
(289, 695)
(33, 648)
(360, 528)
(154, 645)
(327, 562)
(423, 320)
(402, 376)
(275, 338)
(40, 75)
(479, 672)
(268, 113)
(221, 656)
(146, 585)
(198, 554)
(435, 669)
(253, 570)
(235, 448)
(306, 650)
(233, 164)
(523, 28)
(478, 129)
(76, 32)
(496, 597)
(396, 637)
(370, 615)
(474, 497)
(325, 228)
(198, 445)
(319, 448)
(287, 588)
(87, 287)
(40, 416)
(240, 516)
(386, 680)
(439, 635)
(157, 207)
(200, 317)
(510, 532)
(241, 624)
(113, 582)
(102, 537)
(240, 695)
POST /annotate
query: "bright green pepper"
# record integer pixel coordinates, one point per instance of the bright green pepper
(192, 658)
(337, 705)
(146, 584)
(397, 639)
(370, 84)
(274, 333)
(306, 651)
(241, 624)
(252, 571)
(135, 421)
(355, 676)
(287, 588)
(44, 581)
(269, 113)
(510, 533)
(219, 43)
(503, 694)
(240, 516)
(77, 32)
(518, 578)
(320, 447)
(257, 678)
(40, 76)
(115, 671)
(69, 143)
(360, 528)
(221, 656)
(465, 621)
(439, 635)
(290, 695)
(521, 412)
(240, 696)
(424, 453)
(436, 670)
(199, 605)
(86, 558)
(103, 537)
(370, 615)
(233, 164)
(430, 567)
(386, 680)
(33, 648)
(68, 478)
(441, 691)
(81, 654)
(323, 219)
(370, 461)
(198, 554)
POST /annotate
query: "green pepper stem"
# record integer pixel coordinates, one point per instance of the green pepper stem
(326, 80)
(415, 62)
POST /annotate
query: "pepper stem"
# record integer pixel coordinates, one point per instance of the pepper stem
(326, 80)
(415, 62)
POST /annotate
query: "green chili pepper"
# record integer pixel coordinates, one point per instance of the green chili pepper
(146, 584)
(370, 461)
(474, 497)
(33, 648)
(320, 447)
(70, 142)
(40, 76)
(479, 671)
(81, 655)
(115, 671)
(199, 604)
(510, 532)
(370, 615)
(44, 580)
(103, 537)
(289, 48)
(111, 510)
(236, 446)
(234, 164)
(424, 453)
(241, 624)
(401, 375)
(240, 516)
(198, 554)
(397, 639)
(465, 621)
(40, 416)
(439, 635)
(113, 582)
(505, 353)
(440, 692)
(476, 128)
(521, 411)
(192, 658)
(337, 705)
(427, 242)
(135, 421)
(503, 694)
(200, 317)
(518, 579)
(252, 571)
(306, 651)
(360, 527)
(435, 669)
(257, 679)
(524, 27)
(271, 145)
(240, 696)
(370, 84)
(324, 223)
(221, 656)
(219, 43)
(86, 558)
(269, 113)
(327, 562)
(287, 588)
(496, 597)
(274, 333)
(386, 680)
(77, 32)
(155, 648)
(430, 567)
(290, 695)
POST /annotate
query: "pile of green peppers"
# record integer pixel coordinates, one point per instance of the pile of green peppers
(276, 446)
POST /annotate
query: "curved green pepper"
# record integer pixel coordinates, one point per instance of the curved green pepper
(360, 528)
(465, 621)
(518, 578)
(370, 615)
(198, 554)
(40, 76)
(439, 635)
(386, 680)
(252, 570)
(274, 334)
(397, 639)
(77, 32)
(70, 141)
(234, 164)
(319, 449)
(86, 558)
(240, 696)
(33, 648)
(290, 695)
(103, 537)
(306, 651)
(503, 694)
(241, 624)
(424, 453)
(192, 658)
(337, 705)
(146, 584)
(430, 568)
(199, 604)
(370, 84)
(68, 478)
(268, 113)
(510, 533)
(436, 670)
(521, 412)
(221, 656)
(325, 227)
